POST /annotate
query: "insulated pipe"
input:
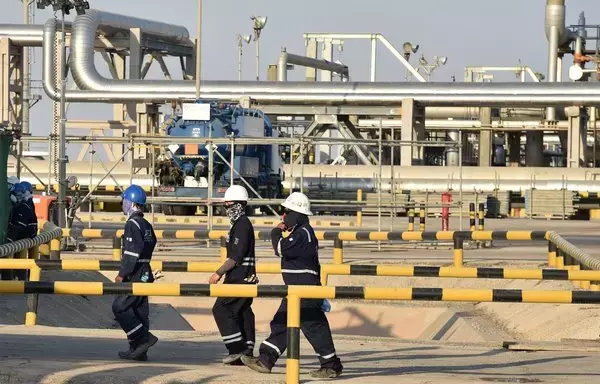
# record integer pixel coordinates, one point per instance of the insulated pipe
(366, 93)
(23, 34)
(304, 61)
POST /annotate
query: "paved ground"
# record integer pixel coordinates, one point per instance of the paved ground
(58, 355)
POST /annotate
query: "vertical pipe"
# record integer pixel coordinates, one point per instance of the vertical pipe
(258, 59)
(231, 160)
(560, 260)
(359, 196)
(62, 159)
(301, 165)
(472, 217)
(380, 176)
(223, 249)
(91, 200)
(373, 57)
(552, 62)
(26, 82)
(481, 216)
(338, 251)
(117, 242)
(460, 172)
(411, 216)
(198, 48)
(240, 53)
(392, 181)
(458, 251)
(292, 372)
(551, 254)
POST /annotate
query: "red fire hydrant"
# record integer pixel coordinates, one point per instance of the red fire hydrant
(446, 201)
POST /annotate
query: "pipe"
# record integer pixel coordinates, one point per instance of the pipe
(304, 61)
(29, 35)
(364, 93)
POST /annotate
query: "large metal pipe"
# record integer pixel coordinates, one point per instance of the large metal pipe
(23, 34)
(289, 58)
(363, 93)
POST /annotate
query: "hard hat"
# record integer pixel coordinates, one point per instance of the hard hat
(236, 193)
(19, 188)
(298, 202)
(27, 186)
(135, 194)
(12, 180)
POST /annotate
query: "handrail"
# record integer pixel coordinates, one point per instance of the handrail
(48, 233)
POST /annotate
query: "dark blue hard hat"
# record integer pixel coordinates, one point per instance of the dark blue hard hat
(28, 186)
(135, 194)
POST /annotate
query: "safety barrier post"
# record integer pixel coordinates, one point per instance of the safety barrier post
(55, 249)
(585, 284)
(116, 247)
(292, 371)
(338, 251)
(223, 249)
(551, 254)
(472, 216)
(32, 299)
(481, 216)
(324, 278)
(411, 216)
(422, 217)
(359, 197)
(21, 274)
(458, 251)
(560, 260)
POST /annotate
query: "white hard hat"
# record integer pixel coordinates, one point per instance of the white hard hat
(298, 202)
(12, 180)
(236, 193)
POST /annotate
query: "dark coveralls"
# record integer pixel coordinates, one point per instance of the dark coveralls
(234, 316)
(300, 266)
(22, 224)
(132, 312)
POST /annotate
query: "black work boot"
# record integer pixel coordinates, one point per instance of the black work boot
(255, 364)
(128, 355)
(141, 347)
(326, 373)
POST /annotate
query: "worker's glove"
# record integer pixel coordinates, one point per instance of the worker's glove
(157, 274)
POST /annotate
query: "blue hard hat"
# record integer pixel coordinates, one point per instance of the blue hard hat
(135, 194)
(19, 188)
(28, 186)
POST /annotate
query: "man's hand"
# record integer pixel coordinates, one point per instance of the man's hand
(118, 279)
(214, 279)
(282, 226)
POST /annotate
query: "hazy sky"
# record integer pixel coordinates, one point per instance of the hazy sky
(469, 32)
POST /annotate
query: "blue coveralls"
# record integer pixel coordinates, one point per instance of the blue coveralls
(234, 316)
(300, 266)
(22, 224)
(132, 312)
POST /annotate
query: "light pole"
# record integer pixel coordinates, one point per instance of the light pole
(258, 26)
(198, 48)
(241, 39)
(429, 68)
(64, 6)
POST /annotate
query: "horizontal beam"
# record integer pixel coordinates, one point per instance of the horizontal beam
(329, 235)
(329, 269)
(305, 292)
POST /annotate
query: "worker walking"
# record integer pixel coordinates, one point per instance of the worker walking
(234, 316)
(299, 266)
(132, 312)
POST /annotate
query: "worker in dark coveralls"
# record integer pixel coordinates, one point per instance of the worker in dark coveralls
(22, 223)
(234, 316)
(132, 312)
(299, 266)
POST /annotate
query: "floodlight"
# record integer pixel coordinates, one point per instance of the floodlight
(259, 21)
(408, 48)
(442, 60)
(423, 60)
(244, 38)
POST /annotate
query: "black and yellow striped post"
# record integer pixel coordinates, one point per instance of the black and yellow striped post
(223, 249)
(21, 255)
(359, 198)
(422, 217)
(338, 251)
(458, 251)
(585, 284)
(411, 216)
(55, 249)
(560, 260)
(472, 217)
(481, 217)
(116, 247)
(32, 299)
(292, 372)
(551, 254)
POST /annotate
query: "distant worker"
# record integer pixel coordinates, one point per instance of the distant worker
(22, 222)
(234, 316)
(29, 189)
(299, 266)
(11, 181)
(139, 240)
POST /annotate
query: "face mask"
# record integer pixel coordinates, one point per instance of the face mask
(235, 211)
(126, 206)
(292, 219)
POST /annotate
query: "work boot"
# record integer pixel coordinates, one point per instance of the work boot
(143, 347)
(255, 364)
(232, 359)
(326, 373)
(128, 355)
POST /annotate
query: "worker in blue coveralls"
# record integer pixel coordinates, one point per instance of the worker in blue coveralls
(132, 312)
(29, 194)
(233, 315)
(299, 253)
(22, 222)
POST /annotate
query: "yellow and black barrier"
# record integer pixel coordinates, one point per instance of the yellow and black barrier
(458, 251)
(481, 217)
(328, 235)
(422, 217)
(472, 217)
(116, 247)
(411, 217)
(296, 293)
